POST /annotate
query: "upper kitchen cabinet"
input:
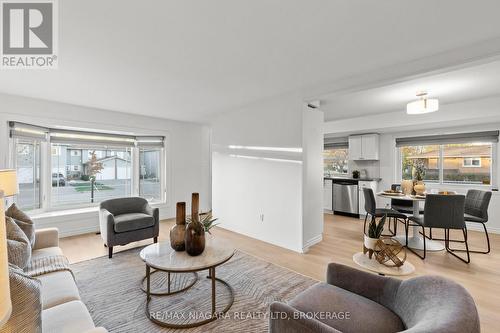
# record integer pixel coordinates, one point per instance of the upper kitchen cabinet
(364, 147)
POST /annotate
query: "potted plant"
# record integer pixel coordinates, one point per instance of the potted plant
(355, 174)
(374, 232)
(418, 176)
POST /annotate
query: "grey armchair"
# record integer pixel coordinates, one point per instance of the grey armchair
(356, 301)
(126, 220)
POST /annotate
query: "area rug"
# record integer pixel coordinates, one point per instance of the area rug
(111, 290)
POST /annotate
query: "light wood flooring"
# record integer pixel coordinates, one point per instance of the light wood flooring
(342, 237)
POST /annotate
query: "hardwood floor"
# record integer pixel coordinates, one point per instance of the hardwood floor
(342, 237)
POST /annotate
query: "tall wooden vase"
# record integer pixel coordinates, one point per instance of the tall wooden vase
(195, 232)
(178, 231)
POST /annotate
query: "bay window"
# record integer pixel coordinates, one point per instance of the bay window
(466, 158)
(61, 169)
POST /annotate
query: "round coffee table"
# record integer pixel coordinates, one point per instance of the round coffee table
(162, 258)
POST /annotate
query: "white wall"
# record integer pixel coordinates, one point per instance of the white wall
(187, 150)
(469, 116)
(260, 193)
(312, 173)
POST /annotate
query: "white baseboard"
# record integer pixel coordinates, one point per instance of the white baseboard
(479, 227)
(311, 242)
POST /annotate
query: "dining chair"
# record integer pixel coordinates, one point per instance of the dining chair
(442, 212)
(374, 212)
(476, 211)
(402, 206)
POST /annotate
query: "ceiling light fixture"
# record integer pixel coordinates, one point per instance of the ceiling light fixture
(422, 105)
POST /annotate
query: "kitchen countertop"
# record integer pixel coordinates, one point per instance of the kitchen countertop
(356, 179)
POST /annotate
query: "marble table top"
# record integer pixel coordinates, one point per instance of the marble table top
(162, 256)
(401, 197)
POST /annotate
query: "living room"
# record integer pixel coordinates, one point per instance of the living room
(173, 166)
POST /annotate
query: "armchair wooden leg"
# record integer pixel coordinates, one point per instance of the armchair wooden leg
(110, 249)
(155, 239)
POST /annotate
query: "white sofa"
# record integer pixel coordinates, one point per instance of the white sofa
(62, 309)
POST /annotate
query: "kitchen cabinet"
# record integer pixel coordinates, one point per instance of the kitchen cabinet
(364, 147)
(361, 186)
(327, 195)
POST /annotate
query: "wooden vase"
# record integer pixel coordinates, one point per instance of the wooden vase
(178, 231)
(195, 232)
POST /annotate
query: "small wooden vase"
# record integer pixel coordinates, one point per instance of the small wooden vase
(178, 231)
(195, 232)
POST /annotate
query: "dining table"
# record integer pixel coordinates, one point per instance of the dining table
(416, 240)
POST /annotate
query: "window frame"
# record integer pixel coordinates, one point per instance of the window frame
(471, 165)
(493, 175)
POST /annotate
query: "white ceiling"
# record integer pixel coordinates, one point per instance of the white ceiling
(469, 83)
(189, 59)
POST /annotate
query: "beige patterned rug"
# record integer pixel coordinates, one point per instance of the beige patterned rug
(111, 290)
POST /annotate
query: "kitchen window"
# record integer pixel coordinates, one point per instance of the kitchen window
(462, 159)
(335, 161)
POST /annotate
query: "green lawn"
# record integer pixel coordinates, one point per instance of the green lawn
(97, 187)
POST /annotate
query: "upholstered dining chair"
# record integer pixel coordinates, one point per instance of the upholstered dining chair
(374, 212)
(476, 211)
(442, 212)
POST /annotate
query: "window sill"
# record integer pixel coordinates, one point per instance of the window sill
(76, 211)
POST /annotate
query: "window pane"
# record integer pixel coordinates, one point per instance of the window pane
(467, 163)
(424, 158)
(85, 174)
(335, 161)
(28, 173)
(149, 183)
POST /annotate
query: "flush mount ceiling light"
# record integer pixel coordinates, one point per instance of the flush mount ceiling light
(422, 105)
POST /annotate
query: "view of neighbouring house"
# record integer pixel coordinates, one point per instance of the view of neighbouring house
(461, 163)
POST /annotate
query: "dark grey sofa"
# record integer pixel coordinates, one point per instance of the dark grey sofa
(126, 220)
(365, 302)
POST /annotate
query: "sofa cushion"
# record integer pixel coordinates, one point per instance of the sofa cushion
(18, 245)
(330, 303)
(57, 288)
(46, 252)
(68, 317)
(133, 221)
(23, 221)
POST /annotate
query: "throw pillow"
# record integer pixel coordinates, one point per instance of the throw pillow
(18, 245)
(23, 221)
(26, 298)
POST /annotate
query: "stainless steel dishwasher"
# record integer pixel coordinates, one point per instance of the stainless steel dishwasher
(345, 197)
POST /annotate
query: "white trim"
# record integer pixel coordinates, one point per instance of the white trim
(478, 227)
(311, 242)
